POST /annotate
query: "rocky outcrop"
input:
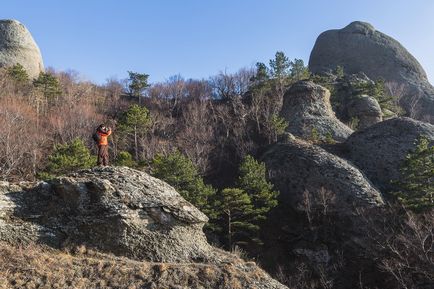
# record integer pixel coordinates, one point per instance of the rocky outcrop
(18, 47)
(116, 210)
(360, 48)
(380, 149)
(300, 171)
(366, 109)
(306, 107)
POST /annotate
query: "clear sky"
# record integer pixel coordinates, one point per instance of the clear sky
(198, 38)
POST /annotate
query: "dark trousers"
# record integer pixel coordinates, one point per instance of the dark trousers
(103, 155)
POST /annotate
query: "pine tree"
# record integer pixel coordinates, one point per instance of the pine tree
(134, 123)
(277, 126)
(125, 159)
(18, 74)
(417, 181)
(67, 158)
(254, 182)
(137, 84)
(237, 210)
(298, 71)
(49, 85)
(261, 73)
(180, 172)
(280, 65)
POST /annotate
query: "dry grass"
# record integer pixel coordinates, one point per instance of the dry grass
(38, 267)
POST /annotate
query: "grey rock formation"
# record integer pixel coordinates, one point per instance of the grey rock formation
(18, 47)
(380, 149)
(366, 109)
(306, 107)
(360, 48)
(300, 170)
(116, 210)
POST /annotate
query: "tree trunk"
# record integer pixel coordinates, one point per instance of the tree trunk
(136, 148)
(229, 230)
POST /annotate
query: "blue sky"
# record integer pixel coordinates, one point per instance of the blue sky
(198, 38)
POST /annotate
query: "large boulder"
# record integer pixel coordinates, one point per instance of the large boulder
(358, 47)
(366, 109)
(18, 47)
(118, 210)
(307, 173)
(306, 108)
(380, 149)
(125, 212)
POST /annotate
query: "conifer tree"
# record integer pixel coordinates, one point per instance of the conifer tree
(49, 85)
(18, 74)
(253, 181)
(298, 71)
(238, 213)
(137, 84)
(67, 158)
(134, 123)
(280, 65)
(417, 181)
(180, 172)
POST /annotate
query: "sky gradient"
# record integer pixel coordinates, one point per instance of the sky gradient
(101, 39)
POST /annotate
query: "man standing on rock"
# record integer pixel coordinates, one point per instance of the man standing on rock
(100, 137)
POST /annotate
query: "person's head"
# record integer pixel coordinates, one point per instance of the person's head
(102, 127)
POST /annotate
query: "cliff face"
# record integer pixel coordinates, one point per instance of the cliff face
(115, 210)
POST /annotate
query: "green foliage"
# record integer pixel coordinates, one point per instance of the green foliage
(18, 74)
(417, 181)
(376, 89)
(134, 124)
(180, 172)
(67, 158)
(326, 81)
(253, 180)
(125, 159)
(278, 125)
(329, 138)
(339, 72)
(137, 83)
(280, 65)
(236, 207)
(298, 71)
(136, 118)
(261, 73)
(48, 84)
(354, 123)
(314, 135)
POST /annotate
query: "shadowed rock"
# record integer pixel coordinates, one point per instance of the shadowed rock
(18, 47)
(360, 48)
(297, 168)
(380, 149)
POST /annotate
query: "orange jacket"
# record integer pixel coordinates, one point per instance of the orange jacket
(104, 136)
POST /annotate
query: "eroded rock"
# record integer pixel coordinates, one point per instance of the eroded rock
(306, 107)
(380, 149)
(359, 47)
(307, 173)
(18, 47)
(122, 211)
(366, 109)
